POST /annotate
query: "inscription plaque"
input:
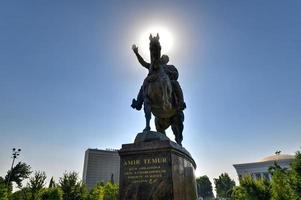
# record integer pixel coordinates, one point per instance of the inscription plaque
(145, 176)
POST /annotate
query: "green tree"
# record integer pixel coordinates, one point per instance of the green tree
(52, 183)
(251, 189)
(282, 182)
(281, 187)
(20, 172)
(111, 191)
(83, 190)
(69, 186)
(22, 194)
(296, 174)
(204, 187)
(3, 190)
(36, 184)
(97, 192)
(238, 193)
(224, 186)
(101, 191)
(53, 193)
(72, 188)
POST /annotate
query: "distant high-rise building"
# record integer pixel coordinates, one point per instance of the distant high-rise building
(260, 169)
(101, 166)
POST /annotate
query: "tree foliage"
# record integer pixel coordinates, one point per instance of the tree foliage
(238, 193)
(23, 194)
(97, 192)
(20, 172)
(224, 186)
(296, 174)
(72, 188)
(52, 183)
(251, 189)
(36, 184)
(103, 191)
(282, 185)
(68, 188)
(111, 191)
(3, 190)
(204, 187)
(53, 193)
(286, 184)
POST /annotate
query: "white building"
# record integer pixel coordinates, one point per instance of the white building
(260, 169)
(100, 166)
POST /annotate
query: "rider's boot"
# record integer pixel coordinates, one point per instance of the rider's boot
(137, 104)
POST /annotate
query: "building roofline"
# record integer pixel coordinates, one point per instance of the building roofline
(262, 162)
(103, 150)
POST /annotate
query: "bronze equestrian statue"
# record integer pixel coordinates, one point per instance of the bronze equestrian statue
(161, 93)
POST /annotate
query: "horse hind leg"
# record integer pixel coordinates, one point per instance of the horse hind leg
(177, 127)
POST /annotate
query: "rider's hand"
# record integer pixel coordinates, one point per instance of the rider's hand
(135, 48)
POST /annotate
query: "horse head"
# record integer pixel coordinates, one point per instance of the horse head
(155, 50)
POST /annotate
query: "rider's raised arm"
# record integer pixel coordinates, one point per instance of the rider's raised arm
(140, 59)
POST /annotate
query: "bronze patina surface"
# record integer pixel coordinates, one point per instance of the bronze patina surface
(161, 94)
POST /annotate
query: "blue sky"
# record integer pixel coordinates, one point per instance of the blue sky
(67, 77)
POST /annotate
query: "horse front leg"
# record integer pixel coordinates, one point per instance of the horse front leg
(147, 114)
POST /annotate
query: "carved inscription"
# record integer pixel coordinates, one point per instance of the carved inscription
(145, 170)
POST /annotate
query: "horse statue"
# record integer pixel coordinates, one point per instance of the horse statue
(160, 98)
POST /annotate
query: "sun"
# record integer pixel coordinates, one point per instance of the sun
(166, 39)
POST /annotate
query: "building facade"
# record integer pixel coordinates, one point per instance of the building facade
(100, 166)
(260, 169)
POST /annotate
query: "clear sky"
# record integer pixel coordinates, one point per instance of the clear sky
(68, 74)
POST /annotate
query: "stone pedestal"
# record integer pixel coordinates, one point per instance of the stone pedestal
(155, 168)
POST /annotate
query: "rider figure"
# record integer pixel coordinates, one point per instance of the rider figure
(172, 74)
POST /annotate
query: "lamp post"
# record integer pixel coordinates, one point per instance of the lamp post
(15, 154)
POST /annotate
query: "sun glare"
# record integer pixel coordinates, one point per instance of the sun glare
(166, 40)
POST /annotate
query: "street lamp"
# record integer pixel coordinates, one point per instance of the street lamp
(15, 154)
